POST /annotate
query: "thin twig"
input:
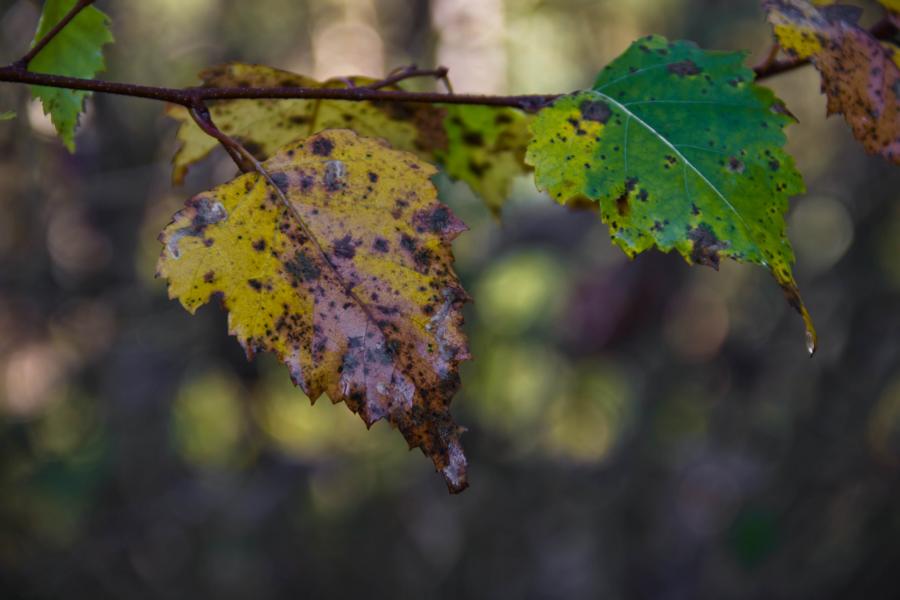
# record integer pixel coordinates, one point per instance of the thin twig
(778, 67)
(410, 72)
(23, 62)
(236, 151)
(770, 58)
(446, 81)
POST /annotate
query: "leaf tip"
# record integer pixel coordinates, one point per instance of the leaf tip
(792, 295)
(455, 472)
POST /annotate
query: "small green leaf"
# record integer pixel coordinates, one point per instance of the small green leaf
(76, 51)
(682, 151)
(8, 115)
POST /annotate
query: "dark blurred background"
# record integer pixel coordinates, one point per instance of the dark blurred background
(637, 429)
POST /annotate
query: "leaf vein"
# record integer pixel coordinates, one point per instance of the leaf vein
(678, 153)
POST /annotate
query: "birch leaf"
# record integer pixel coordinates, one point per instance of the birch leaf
(480, 145)
(339, 263)
(76, 51)
(263, 126)
(683, 152)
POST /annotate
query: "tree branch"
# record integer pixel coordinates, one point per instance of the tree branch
(195, 98)
(191, 96)
(23, 62)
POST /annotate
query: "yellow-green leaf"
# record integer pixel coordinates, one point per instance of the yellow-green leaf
(483, 146)
(76, 51)
(262, 126)
(486, 149)
(6, 116)
(861, 77)
(340, 264)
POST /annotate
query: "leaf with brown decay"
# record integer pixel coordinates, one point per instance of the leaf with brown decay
(340, 264)
(859, 74)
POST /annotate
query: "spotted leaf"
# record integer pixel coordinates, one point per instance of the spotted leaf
(480, 145)
(860, 75)
(486, 149)
(683, 152)
(263, 126)
(338, 262)
(76, 51)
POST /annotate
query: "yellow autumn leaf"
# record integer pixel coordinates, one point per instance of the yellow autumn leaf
(263, 126)
(795, 27)
(484, 146)
(339, 263)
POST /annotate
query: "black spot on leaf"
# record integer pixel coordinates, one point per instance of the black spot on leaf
(595, 110)
(735, 165)
(302, 267)
(322, 146)
(684, 68)
(622, 201)
(473, 138)
(280, 180)
(344, 248)
(706, 246)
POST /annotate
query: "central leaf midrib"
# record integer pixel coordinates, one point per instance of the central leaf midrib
(347, 289)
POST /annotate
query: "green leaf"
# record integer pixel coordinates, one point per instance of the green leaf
(8, 115)
(76, 51)
(683, 152)
(486, 149)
